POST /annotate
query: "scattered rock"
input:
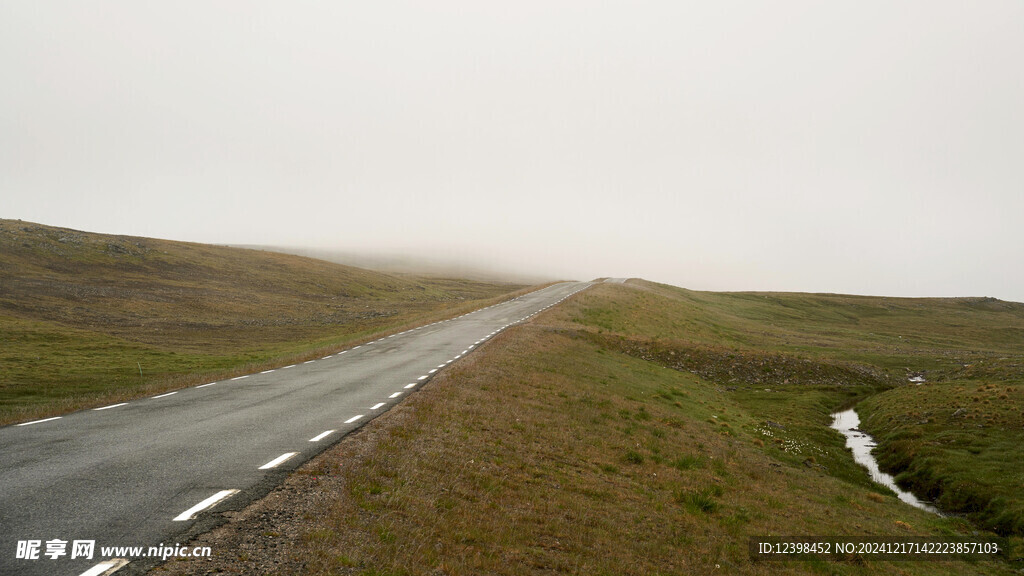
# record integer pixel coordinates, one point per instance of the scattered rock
(743, 367)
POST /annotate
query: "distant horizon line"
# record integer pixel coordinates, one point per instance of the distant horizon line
(407, 262)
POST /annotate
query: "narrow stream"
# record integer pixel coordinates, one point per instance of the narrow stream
(861, 444)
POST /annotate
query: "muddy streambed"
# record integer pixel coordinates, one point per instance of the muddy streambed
(860, 443)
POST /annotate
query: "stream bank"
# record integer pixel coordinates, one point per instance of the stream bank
(861, 443)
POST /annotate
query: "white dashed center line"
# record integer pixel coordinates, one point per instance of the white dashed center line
(287, 367)
(321, 436)
(424, 377)
(266, 372)
(103, 567)
(412, 385)
(111, 406)
(395, 395)
(277, 461)
(165, 395)
(353, 419)
(40, 421)
(376, 406)
(191, 512)
(241, 377)
(205, 385)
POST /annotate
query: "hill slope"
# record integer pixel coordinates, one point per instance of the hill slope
(634, 429)
(82, 314)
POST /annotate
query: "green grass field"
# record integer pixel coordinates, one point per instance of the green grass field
(794, 358)
(636, 429)
(959, 443)
(90, 318)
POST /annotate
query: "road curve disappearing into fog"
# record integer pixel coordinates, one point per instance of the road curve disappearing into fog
(150, 471)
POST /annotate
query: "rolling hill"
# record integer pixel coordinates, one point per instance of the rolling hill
(87, 318)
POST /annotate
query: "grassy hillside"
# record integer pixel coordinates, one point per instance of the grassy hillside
(635, 429)
(955, 439)
(959, 443)
(81, 314)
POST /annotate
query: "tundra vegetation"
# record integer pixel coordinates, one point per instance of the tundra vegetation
(647, 429)
(88, 319)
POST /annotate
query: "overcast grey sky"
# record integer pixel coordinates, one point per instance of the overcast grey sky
(857, 147)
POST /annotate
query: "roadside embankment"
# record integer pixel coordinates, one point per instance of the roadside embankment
(547, 451)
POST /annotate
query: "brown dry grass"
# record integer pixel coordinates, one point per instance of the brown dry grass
(545, 454)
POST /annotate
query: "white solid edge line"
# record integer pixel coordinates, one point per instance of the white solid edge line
(377, 405)
(111, 406)
(353, 419)
(395, 395)
(40, 421)
(321, 436)
(105, 567)
(164, 395)
(411, 385)
(191, 512)
(240, 377)
(276, 461)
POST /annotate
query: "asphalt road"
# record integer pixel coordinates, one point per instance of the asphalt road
(138, 474)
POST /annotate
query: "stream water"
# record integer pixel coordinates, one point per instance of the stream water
(861, 444)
